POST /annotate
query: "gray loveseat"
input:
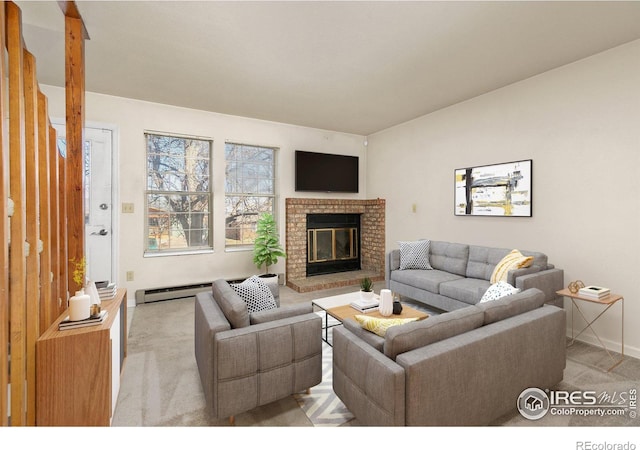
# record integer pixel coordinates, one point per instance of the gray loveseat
(461, 274)
(460, 368)
(249, 360)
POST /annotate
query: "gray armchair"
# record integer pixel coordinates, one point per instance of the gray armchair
(249, 360)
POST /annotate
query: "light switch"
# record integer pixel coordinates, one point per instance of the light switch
(127, 208)
(414, 207)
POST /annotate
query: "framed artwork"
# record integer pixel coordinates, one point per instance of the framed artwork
(494, 190)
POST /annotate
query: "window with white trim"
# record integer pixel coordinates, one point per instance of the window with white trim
(178, 196)
(249, 191)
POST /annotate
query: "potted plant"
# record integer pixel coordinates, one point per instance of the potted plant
(366, 288)
(267, 249)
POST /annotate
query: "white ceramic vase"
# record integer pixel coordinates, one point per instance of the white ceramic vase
(367, 296)
(386, 302)
(79, 306)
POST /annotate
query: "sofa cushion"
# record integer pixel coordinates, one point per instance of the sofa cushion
(428, 280)
(512, 261)
(498, 290)
(415, 254)
(370, 338)
(232, 306)
(483, 261)
(449, 257)
(465, 290)
(283, 312)
(511, 305)
(256, 294)
(433, 329)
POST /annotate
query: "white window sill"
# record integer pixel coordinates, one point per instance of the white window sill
(178, 253)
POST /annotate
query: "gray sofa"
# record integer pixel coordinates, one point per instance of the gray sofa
(460, 368)
(461, 275)
(248, 360)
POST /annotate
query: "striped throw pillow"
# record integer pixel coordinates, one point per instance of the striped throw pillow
(513, 260)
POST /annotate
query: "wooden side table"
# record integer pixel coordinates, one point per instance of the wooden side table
(607, 302)
(78, 371)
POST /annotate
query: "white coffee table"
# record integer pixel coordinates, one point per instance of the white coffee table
(326, 303)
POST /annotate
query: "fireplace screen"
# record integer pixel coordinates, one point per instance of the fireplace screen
(332, 244)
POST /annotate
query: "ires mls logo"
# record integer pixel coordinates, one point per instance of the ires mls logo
(534, 403)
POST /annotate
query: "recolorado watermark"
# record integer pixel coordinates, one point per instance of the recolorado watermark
(589, 445)
(534, 404)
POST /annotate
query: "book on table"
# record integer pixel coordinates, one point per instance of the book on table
(67, 324)
(365, 310)
(365, 306)
(107, 290)
(596, 292)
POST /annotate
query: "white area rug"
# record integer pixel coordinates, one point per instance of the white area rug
(322, 406)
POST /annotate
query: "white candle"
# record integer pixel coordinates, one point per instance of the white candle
(79, 306)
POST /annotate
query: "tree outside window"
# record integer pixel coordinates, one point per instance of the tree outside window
(178, 194)
(249, 191)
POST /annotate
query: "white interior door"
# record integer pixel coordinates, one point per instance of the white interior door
(98, 202)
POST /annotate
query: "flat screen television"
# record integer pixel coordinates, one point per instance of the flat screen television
(325, 172)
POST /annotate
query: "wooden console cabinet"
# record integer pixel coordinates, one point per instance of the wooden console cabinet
(78, 370)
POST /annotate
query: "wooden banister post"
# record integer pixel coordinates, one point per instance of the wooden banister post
(4, 236)
(46, 297)
(17, 168)
(74, 162)
(32, 300)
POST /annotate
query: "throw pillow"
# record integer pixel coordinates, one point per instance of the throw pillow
(415, 254)
(513, 260)
(498, 290)
(255, 293)
(380, 326)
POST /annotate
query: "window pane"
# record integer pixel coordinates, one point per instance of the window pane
(178, 193)
(249, 187)
(265, 187)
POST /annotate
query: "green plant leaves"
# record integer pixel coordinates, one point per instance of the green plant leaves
(267, 248)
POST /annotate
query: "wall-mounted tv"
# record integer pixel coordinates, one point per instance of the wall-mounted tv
(325, 172)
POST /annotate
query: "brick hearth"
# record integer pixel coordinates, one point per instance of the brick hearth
(372, 231)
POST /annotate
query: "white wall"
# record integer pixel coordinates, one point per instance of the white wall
(580, 124)
(132, 118)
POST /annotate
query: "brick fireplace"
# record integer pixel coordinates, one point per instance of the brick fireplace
(372, 240)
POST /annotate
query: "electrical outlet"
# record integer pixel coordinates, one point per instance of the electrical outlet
(130, 275)
(414, 207)
(127, 208)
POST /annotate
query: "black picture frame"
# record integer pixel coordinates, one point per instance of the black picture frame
(496, 190)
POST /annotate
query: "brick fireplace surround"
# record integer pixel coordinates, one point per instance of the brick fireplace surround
(372, 236)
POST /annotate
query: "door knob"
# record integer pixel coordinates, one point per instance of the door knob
(102, 232)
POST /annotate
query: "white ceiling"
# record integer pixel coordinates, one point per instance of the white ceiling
(357, 67)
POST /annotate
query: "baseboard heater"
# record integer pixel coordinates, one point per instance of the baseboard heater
(169, 293)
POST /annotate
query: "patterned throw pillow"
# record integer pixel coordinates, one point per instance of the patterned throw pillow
(498, 290)
(380, 326)
(415, 255)
(513, 260)
(255, 293)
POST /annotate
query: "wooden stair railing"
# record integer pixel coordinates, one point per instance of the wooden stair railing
(41, 206)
